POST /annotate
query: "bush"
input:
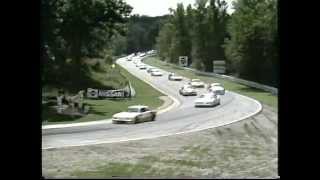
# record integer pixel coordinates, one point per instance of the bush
(108, 59)
(97, 66)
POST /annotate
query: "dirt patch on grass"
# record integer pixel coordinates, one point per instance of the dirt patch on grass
(239, 150)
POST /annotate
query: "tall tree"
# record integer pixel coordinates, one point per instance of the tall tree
(164, 41)
(142, 32)
(217, 19)
(200, 35)
(210, 31)
(182, 45)
(74, 29)
(190, 28)
(253, 45)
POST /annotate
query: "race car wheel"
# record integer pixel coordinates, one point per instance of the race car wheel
(153, 117)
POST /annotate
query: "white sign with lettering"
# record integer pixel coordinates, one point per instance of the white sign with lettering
(219, 67)
(96, 93)
(183, 61)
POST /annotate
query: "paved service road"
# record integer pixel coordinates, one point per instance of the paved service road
(183, 118)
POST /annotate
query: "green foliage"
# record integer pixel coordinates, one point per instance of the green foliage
(73, 29)
(247, 39)
(108, 59)
(164, 41)
(252, 49)
(182, 44)
(210, 31)
(197, 33)
(174, 38)
(142, 32)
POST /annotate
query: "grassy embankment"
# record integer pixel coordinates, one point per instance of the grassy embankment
(103, 77)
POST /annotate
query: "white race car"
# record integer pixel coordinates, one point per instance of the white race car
(208, 99)
(196, 83)
(215, 84)
(134, 115)
(217, 90)
(150, 68)
(174, 77)
(142, 55)
(142, 66)
(187, 90)
(129, 58)
(156, 72)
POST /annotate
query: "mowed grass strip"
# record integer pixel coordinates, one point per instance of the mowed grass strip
(105, 108)
(260, 95)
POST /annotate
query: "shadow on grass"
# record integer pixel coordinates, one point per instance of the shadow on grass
(120, 99)
(99, 69)
(95, 112)
(204, 75)
(109, 99)
(251, 90)
(50, 115)
(175, 67)
(72, 80)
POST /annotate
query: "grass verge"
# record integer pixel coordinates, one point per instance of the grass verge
(114, 170)
(104, 109)
(260, 95)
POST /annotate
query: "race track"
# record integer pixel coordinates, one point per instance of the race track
(182, 118)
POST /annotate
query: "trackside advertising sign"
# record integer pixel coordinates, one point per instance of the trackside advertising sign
(98, 93)
(219, 67)
(115, 93)
(183, 61)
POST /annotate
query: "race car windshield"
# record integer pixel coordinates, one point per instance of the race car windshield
(133, 110)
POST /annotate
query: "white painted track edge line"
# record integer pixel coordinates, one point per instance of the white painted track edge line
(57, 126)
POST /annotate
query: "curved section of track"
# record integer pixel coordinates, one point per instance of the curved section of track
(182, 118)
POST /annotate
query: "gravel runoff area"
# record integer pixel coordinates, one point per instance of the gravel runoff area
(245, 149)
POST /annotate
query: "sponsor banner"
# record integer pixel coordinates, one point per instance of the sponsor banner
(111, 93)
(98, 93)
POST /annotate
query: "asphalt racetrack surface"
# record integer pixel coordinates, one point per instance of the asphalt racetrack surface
(182, 118)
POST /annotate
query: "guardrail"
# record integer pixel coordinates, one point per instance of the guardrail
(273, 90)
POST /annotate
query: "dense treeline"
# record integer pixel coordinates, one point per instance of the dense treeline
(141, 34)
(247, 39)
(73, 31)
